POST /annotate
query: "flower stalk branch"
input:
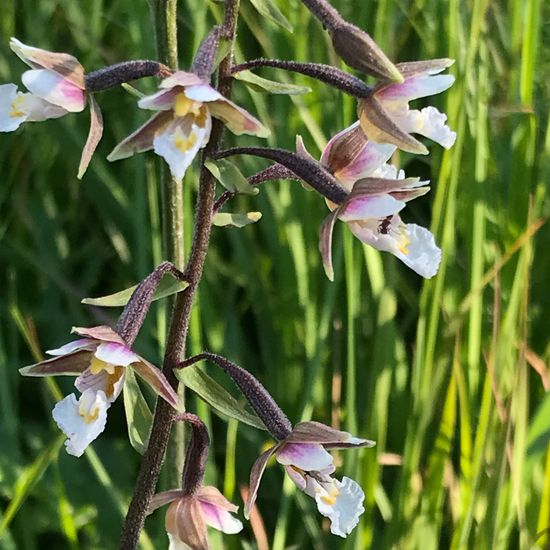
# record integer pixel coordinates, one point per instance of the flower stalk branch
(328, 74)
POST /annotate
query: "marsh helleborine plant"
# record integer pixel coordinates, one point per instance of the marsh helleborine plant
(354, 176)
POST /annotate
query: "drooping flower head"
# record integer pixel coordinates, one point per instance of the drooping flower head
(305, 457)
(195, 506)
(386, 117)
(55, 83)
(185, 105)
(99, 360)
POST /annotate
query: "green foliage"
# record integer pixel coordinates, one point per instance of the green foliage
(449, 376)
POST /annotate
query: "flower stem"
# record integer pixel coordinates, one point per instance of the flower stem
(164, 413)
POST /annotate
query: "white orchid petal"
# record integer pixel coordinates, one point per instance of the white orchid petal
(83, 420)
(180, 142)
(342, 503)
(116, 354)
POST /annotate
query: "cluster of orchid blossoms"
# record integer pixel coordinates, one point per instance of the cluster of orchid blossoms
(353, 175)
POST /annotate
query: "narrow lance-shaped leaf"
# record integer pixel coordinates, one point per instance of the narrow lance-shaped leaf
(138, 414)
(230, 177)
(260, 84)
(270, 11)
(167, 287)
(217, 396)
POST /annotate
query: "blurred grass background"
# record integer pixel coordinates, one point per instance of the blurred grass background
(449, 376)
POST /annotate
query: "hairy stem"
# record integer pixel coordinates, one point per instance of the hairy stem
(324, 73)
(164, 414)
(274, 419)
(126, 71)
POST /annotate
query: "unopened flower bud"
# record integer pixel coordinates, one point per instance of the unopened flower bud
(361, 52)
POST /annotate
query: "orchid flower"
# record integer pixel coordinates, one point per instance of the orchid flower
(305, 457)
(377, 192)
(194, 506)
(185, 105)
(55, 83)
(386, 117)
(99, 360)
(189, 515)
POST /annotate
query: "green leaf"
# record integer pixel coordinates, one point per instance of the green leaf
(138, 414)
(230, 177)
(270, 11)
(217, 396)
(167, 286)
(228, 219)
(270, 86)
(28, 479)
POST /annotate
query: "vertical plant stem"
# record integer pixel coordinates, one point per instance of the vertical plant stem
(163, 14)
(175, 350)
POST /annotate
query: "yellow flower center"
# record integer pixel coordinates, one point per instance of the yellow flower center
(89, 415)
(97, 365)
(184, 143)
(16, 107)
(330, 498)
(183, 106)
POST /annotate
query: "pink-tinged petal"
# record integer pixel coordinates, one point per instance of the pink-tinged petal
(81, 421)
(416, 87)
(161, 499)
(306, 456)
(325, 243)
(381, 185)
(364, 207)
(369, 160)
(212, 495)
(202, 93)
(71, 364)
(220, 519)
(162, 100)
(315, 432)
(55, 89)
(142, 139)
(179, 143)
(81, 343)
(184, 521)
(342, 503)
(256, 474)
(379, 125)
(350, 155)
(11, 114)
(181, 78)
(157, 381)
(297, 476)
(430, 66)
(116, 354)
(236, 119)
(428, 122)
(109, 382)
(63, 64)
(94, 136)
(102, 332)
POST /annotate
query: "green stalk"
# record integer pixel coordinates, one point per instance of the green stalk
(163, 13)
